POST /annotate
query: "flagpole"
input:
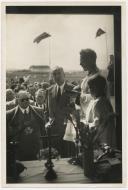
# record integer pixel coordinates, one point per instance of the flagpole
(106, 47)
(99, 33)
(49, 53)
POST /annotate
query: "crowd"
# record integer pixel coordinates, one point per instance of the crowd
(31, 106)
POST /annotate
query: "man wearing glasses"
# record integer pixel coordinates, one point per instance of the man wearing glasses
(25, 124)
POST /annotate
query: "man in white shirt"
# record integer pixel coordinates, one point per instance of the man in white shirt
(88, 62)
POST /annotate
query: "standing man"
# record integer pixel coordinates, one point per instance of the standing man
(25, 124)
(88, 62)
(58, 105)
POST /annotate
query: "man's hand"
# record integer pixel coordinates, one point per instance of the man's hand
(83, 98)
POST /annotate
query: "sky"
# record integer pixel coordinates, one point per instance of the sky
(69, 34)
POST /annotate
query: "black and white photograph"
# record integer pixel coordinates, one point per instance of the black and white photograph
(62, 116)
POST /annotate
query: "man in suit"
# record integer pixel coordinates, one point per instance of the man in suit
(40, 96)
(59, 105)
(25, 124)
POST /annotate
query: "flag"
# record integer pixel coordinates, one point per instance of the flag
(99, 32)
(26, 78)
(41, 37)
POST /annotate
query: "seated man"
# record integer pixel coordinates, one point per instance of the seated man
(25, 124)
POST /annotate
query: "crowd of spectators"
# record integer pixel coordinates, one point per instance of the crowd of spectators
(14, 86)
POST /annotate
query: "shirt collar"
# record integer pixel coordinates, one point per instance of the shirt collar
(61, 87)
(23, 110)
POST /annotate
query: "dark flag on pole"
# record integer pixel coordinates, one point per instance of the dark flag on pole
(99, 32)
(41, 37)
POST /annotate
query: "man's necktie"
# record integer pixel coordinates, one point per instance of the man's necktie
(58, 95)
(25, 114)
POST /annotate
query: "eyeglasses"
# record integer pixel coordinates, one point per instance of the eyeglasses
(24, 99)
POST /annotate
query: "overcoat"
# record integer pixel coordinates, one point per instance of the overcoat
(27, 131)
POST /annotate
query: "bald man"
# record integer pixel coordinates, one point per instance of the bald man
(25, 124)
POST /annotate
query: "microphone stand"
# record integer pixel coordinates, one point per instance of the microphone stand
(12, 145)
(11, 160)
(75, 160)
(51, 174)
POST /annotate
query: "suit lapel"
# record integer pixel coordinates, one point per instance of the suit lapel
(55, 91)
(64, 97)
(15, 113)
(35, 112)
(64, 91)
(54, 95)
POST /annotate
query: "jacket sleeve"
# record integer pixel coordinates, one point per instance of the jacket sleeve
(40, 116)
(9, 129)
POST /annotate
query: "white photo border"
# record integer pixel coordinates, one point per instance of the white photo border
(3, 87)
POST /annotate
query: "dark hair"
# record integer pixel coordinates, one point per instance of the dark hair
(88, 55)
(98, 85)
(57, 68)
(21, 80)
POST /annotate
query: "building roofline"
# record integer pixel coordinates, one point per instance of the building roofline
(36, 66)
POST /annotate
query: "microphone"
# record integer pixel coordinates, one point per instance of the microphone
(50, 123)
(72, 92)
